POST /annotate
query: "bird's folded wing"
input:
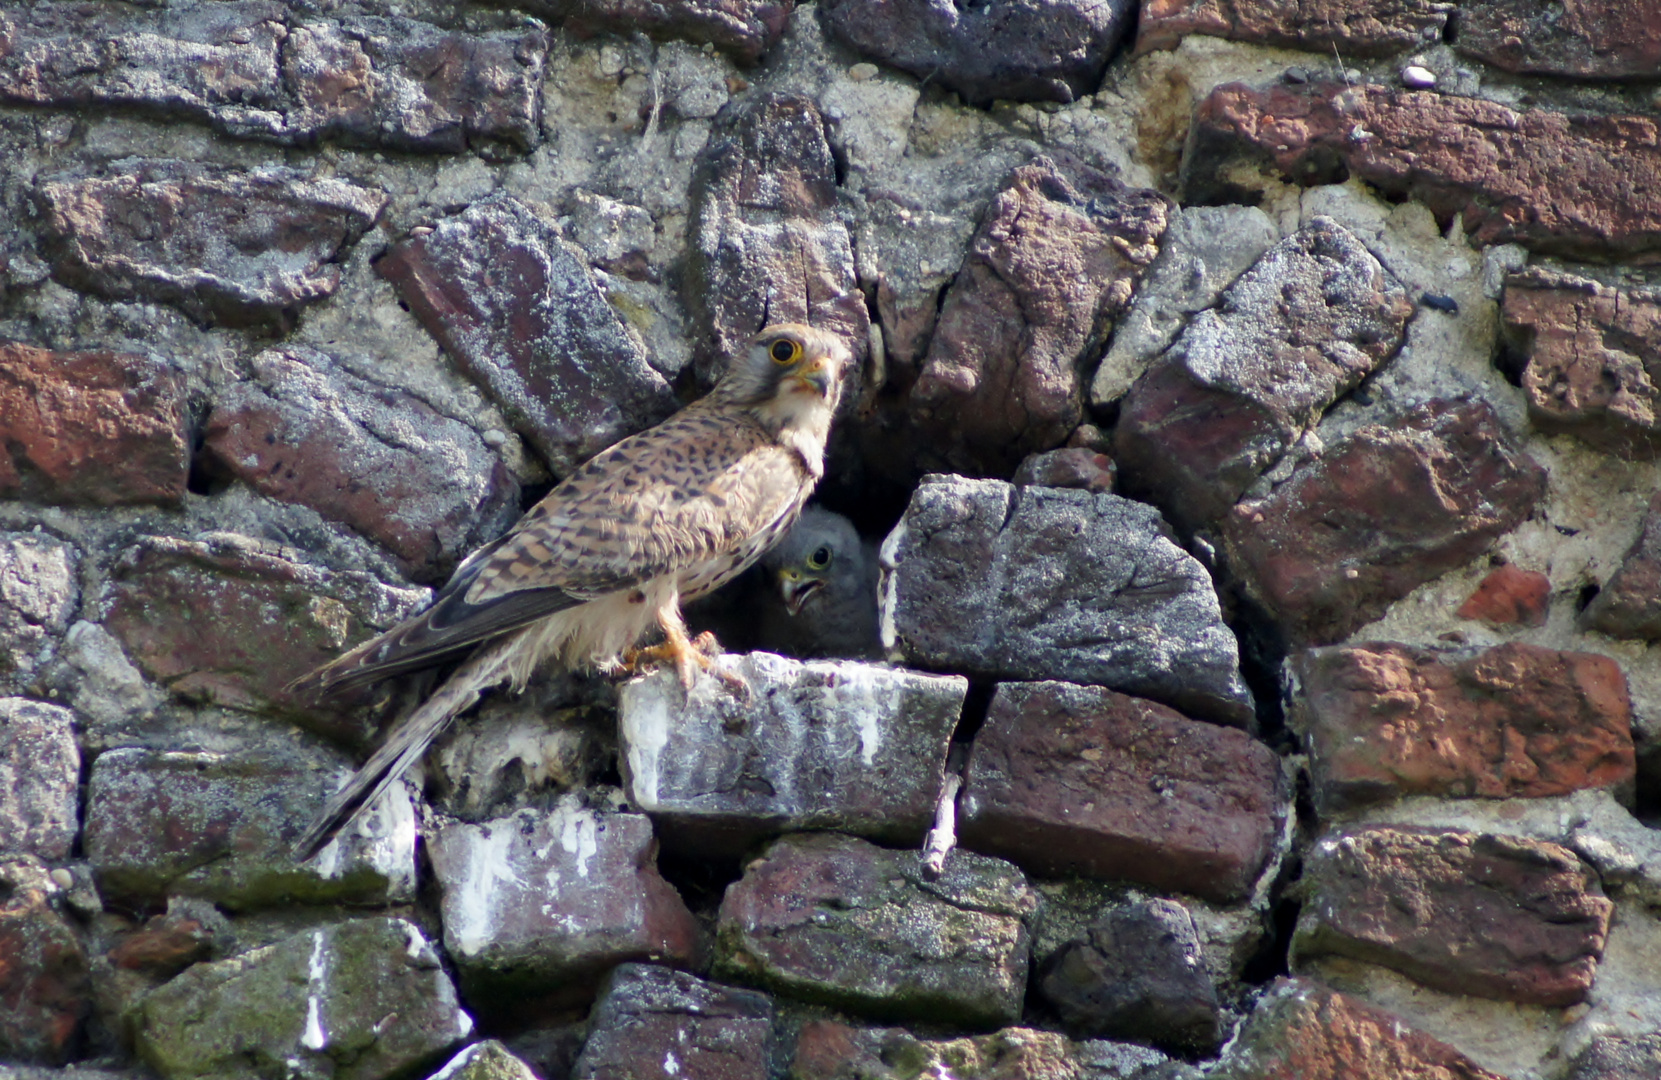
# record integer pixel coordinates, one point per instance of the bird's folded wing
(653, 504)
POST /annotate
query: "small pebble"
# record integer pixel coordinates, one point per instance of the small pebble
(494, 437)
(1440, 303)
(63, 879)
(1418, 78)
(1295, 75)
(862, 72)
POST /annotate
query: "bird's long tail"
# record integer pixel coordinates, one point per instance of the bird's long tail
(406, 743)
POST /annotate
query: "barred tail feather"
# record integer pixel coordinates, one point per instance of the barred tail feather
(406, 744)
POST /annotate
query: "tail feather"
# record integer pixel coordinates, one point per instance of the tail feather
(405, 745)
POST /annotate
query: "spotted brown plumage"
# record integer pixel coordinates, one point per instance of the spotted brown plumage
(658, 519)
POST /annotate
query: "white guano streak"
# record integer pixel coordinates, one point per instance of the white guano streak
(315, 1038)
(857, 695)
(888, 592)
(646, 733)
(579, 832)
(489, 878)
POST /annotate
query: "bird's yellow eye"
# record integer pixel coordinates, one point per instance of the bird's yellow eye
(820, 558)
(784, 352)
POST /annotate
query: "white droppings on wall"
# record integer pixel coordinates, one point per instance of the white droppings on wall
(315, 1038)
(578, 831)
(888, 590)
(645, 721)
(490, 877)
(415, 946)
(866, 695)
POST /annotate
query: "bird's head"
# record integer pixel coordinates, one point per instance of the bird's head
(820, 546)
(791, 376)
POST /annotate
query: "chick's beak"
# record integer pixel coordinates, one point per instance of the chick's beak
(795, 588)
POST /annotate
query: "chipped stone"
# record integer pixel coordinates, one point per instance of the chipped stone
(819, 745)
(1035, 583)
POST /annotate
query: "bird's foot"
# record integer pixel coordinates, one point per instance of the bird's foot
(688, 656)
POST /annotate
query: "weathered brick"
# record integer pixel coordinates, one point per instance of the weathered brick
(847, 746)
(1578, 185)
(1044, 583)
(538, 905)
(1004, 373)
(1491, 916)
(1589, 358)
(1394, 507)
(522, 315)
(258, 69)
(1246, 380)
(1078, 779)
(242, 248)
(90, 428)
(1026, 50)
(375, 458)
(1591, 39)
(1353, 27)
(1303, 1031)
(832, 919)
(1516, 721)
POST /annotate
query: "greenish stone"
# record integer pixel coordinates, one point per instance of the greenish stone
(488, 1060)
(362, 1000)
(838, 921)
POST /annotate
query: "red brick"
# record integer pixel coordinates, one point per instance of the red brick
(1353, 27)
(1246, 380)
(1509, 597)
(1489, 916)
(1394, 507)
(1588, 39)
(1516, 721)
(1303, 1031)
(375, 458)
(90, 428)
(1589, 356)
(1069, 779)
(1560, 183)
(1004, 374)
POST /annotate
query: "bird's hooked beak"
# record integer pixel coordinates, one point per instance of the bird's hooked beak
(796, 587)
(817, 374)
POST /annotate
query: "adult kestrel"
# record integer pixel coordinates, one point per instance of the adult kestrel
(658, 519)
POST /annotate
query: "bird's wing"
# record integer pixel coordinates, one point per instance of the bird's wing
(688, 490)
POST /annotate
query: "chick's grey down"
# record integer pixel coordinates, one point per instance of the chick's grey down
(823, 579)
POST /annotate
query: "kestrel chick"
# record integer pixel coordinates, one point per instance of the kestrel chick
(826, 580)
(658, 519)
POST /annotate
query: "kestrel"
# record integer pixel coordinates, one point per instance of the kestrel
(656, 520)
(826, 582)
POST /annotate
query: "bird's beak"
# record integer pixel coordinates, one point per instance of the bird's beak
(796, 589)
(816, 375)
